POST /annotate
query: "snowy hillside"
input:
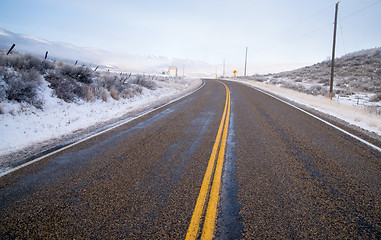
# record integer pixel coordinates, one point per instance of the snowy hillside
(357, 79)
(43, 103)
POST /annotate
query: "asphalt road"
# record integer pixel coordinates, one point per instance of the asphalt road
(285, 175)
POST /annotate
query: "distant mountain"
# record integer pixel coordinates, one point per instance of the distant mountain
(91, 56)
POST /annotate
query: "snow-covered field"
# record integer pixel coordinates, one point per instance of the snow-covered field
(345, 109)
(23, 126)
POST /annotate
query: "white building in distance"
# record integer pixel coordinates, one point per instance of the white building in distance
(172, 71)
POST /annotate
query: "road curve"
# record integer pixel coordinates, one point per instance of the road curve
(286, 175)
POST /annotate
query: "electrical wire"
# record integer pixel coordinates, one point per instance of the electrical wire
(327, 25)
(342, 34)
(309, 18)
(362, 9)
(304, 35)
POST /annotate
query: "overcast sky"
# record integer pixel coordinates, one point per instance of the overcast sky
(279, 34)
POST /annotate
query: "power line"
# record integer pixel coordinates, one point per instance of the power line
(309, 18)
(328, 25)
(352, 14)
(342, 35)
(318, 29)
(303, 35)
(362, 9)
(313, 31)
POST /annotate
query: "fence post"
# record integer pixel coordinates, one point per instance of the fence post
(10, 50)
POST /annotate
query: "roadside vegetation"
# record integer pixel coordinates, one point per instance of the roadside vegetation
(23, 75)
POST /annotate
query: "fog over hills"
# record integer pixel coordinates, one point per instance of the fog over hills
(94, 57)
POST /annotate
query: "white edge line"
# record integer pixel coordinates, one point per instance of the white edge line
(96, 134)
(318, 118)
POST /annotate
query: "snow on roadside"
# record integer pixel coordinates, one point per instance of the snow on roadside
(355, 115)
(23, 126)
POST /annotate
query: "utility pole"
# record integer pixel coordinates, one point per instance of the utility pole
(245, 62)
(333, 53)
(223, 71)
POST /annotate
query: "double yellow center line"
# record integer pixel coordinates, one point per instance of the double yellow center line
(213, 191)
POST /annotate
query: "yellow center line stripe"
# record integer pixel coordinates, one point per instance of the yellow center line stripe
(200, 204)
(211, 213)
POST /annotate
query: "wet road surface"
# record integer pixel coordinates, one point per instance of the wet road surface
(286, 176)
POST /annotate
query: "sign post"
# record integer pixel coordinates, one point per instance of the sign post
(235, 73)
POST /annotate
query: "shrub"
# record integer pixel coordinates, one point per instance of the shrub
(104, 95)
(318, 90)
(114, 93)
(315, 89)
(126, 93)
(137, 90)
(114, 82)
(81, 90)
(144, 82)
(20, 78)
(297, 87)
(71, 83)
(91, 91)
(260, 79)
(81, 74)
(24, 87)
(377, 83)
(5, 76)
(3, 95)
(46, 65)
(63, 88)
(25, 63)
(324, 80)
(275, 81)
(375, 98)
